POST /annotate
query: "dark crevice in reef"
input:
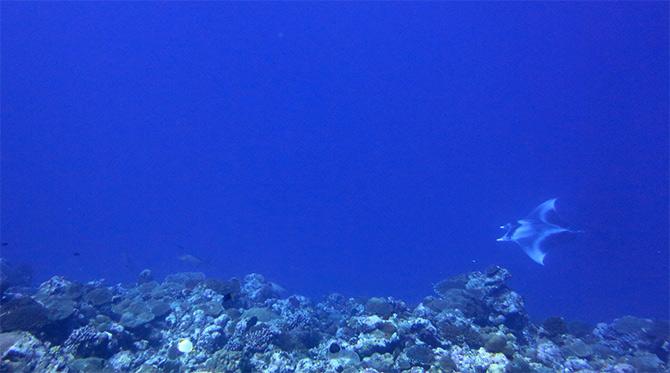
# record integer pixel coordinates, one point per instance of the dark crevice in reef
(473, 323)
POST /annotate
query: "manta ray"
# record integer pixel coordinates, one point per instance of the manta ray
(531, 231)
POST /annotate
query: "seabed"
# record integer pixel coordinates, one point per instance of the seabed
(189, 323)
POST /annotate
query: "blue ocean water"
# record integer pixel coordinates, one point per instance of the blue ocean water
(361, 148)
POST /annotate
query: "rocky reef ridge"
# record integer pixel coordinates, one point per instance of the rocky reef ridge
(189, 323)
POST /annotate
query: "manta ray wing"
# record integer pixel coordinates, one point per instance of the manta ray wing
(531, 234)
(543, 211)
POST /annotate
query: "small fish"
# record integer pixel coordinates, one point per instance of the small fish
(185, 345)
(76, 253)
(190, 259)
(5, 244)
(531, 231)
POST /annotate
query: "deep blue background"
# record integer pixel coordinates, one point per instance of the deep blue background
(370, 149)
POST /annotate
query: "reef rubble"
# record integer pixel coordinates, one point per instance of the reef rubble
(189, 323)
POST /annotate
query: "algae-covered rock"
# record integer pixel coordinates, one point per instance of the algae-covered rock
(345, 360)
(224, 361)
(496, 343)
(7, 340)
(454, 328)
(257, 289)
(456, 282)
(576, 364)
(87, 341)
(187, 279)
(227, 288)
(150, 288)
(134, 320)
(58, 308)
(549, 354)
(25, 354)
(122, 361)
(376, 341)
(623, 368)
(555, 326)
(147, 368)
(477, 360)
(579, 348)
(379, 362)
(631, 325)
(381, 307)
(87, 365)
(646, 362)
(213, 309)
(260, 313)
(520, 366)
(58, 286)
(22, 313)
(98, 296)
(420, 355)
(134, 313)
(159, 308)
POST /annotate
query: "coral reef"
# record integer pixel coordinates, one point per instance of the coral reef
(474, 323)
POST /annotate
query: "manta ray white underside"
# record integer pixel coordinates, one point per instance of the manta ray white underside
(531, 231)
